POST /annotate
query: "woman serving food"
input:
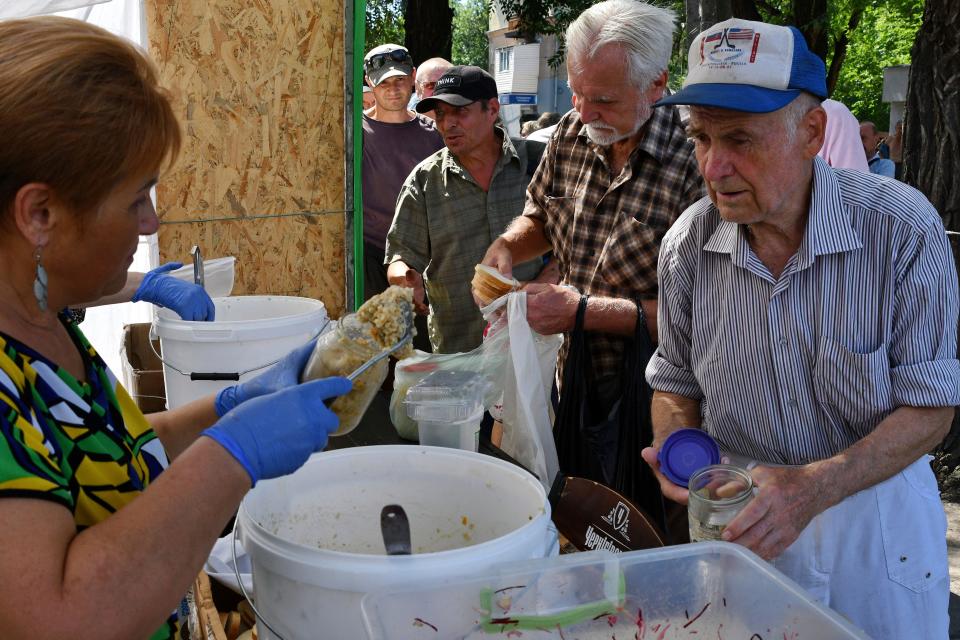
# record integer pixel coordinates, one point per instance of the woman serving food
(100, 535)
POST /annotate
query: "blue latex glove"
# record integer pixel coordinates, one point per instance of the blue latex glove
(273, 435)
(189, 300)
(282, 375)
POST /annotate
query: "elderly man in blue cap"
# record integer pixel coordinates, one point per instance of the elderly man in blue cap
(808, 323)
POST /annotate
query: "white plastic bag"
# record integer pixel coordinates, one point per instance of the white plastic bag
(527, 379)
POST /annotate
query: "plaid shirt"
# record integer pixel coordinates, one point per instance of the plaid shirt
(606, 230)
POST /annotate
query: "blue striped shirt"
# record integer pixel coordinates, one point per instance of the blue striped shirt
(862, 320)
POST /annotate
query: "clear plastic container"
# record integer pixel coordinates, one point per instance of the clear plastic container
(717, 494)
(448, 408)
(338, 353)
(705, 590)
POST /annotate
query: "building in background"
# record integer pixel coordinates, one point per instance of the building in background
(526, 82)
(895, 93)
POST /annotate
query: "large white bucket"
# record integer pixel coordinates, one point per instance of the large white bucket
(249, 334)
(314, 537)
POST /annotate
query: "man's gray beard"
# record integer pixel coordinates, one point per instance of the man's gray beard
(608, 136)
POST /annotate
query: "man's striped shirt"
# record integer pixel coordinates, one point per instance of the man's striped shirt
(862, 320)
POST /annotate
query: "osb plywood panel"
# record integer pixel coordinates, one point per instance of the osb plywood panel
(258, 88)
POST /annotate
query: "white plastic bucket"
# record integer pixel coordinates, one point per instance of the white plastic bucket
(249, 334)
(314, 538)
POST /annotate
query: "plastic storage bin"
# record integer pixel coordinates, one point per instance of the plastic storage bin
(448, 408)
(706, 590)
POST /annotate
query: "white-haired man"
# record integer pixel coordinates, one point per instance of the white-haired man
(808, 322)
(613, 179)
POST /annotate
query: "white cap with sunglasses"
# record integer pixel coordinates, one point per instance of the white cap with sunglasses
(387, 61)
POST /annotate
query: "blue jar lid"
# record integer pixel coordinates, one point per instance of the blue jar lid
(686, 451)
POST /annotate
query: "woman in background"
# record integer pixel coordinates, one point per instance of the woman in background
(100, 537)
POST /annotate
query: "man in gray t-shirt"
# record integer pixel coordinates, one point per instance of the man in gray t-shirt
(395, 140)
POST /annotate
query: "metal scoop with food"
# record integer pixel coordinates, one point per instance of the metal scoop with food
(407, 337)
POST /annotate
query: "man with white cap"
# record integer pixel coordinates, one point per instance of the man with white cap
(395, 140)
(808, 323)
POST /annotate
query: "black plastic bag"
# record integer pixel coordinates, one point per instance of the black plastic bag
(633, 477)
(605, 447)
(577, 427)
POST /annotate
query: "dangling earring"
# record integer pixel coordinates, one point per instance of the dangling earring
(40, 284)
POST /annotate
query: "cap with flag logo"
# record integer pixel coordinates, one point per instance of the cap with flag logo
(749, 66)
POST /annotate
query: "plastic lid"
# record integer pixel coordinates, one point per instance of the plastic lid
(685, 452)
(447, 396)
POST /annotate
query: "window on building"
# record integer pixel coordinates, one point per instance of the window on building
(504, 59)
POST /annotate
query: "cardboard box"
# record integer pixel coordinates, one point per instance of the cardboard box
(142, 369)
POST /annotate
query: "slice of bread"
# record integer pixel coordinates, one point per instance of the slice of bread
(489, 284)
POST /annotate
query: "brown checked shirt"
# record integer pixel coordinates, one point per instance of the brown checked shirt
(606, 230)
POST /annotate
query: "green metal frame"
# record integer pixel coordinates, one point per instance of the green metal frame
(359, 44)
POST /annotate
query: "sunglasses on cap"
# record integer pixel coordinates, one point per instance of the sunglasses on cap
(380, 59)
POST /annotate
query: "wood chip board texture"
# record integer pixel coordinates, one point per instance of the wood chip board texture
(258, 88)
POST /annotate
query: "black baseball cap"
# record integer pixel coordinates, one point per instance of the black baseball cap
(460, 86)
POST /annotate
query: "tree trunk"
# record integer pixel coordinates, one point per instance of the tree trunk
(429, 29)
(703, 14)
(931, 132)
(810, 16)
(745, 10)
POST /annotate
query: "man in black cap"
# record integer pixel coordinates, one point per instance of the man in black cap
(456, 202)
(395, 139)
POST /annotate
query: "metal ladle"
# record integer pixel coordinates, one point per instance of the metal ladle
(197, 266)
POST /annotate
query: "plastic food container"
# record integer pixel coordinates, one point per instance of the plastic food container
(706, 590)
(448, 408)
(338, 353)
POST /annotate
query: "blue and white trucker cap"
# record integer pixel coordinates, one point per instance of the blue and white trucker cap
(749, 66)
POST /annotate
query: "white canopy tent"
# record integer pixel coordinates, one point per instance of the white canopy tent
(103, 325)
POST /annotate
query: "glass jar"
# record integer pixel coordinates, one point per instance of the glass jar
(717, 494)
(339, 352)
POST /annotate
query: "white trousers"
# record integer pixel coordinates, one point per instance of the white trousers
(880, 558)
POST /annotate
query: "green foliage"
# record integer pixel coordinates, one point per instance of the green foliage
(384, 23)
(883, 38)
(471, 19)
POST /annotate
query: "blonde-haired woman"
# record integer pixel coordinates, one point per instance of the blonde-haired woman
(99, 536)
